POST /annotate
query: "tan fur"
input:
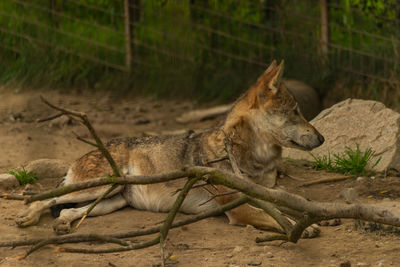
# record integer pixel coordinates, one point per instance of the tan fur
(261, 121)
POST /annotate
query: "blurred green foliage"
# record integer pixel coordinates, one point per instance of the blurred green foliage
(199, 49)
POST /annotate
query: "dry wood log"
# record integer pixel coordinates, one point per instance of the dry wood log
(202, 114)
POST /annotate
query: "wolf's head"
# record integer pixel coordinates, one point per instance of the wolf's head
(273, 114)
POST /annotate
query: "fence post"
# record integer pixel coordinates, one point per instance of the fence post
(128, 37)
(324, 41)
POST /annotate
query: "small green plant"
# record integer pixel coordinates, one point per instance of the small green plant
(353, 162)
(23, 176)
(323, 163)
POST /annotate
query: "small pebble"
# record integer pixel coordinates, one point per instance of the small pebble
(345, 264)
(254, 263)
(237, 249)
(269, 255)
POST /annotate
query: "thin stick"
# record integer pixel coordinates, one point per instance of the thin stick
(193, 187)
(328, 180)
(13, 197)
(232, 160)
(218, 195)
(109, 190)
(84, 140)
(144, 244)
(50, 118)
(294, 178)
(172, 213)
(216, 160)
(272, 237)
(93, 237)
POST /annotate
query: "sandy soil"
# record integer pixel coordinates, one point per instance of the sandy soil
(211, 242)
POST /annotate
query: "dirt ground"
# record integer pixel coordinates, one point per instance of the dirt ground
(211, 242)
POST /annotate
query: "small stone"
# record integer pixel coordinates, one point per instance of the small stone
(8, 181)
(360, 179)
(348, 195)
(142, 121)
(345, 264)
(362, 264)
(380, 263)
(269, 255)
(250, 227)
(372, 177)
(237, 249)
(254, 263)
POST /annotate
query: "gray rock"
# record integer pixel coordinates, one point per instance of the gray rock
(48, 168)
(353, 121)
(8, 181)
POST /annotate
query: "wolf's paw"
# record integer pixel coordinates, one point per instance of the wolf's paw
(30, 216)
(333, 222)
(311, 231)
(61, 226)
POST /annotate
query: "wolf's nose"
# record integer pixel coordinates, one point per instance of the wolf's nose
(321, 139)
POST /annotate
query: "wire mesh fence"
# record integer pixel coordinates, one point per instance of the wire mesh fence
(203, 48)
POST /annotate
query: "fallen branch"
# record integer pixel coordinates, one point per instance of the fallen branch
(13, 197)
(202, 114)
(141, 179)
(328, 180)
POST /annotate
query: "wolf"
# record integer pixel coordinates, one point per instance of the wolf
(261, 121)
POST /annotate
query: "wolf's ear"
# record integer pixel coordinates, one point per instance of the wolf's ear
(275, 82)
(271, 67)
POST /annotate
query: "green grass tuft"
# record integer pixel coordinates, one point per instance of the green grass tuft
(23, 176)
(352, 162)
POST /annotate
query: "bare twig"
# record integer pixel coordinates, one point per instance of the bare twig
(13, 197)
(328, 180)
(216, 160)
(91, 207)
(293, 177)
(193, 187)
(218, 195)
(50, 118)
(272, 237)
(84, 140)
(232, 160)
(172, 213)
(91, 237)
